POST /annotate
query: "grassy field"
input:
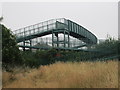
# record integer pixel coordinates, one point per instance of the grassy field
(64, 75)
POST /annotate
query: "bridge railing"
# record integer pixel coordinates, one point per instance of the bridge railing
(38, 28)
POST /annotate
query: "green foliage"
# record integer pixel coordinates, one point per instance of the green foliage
(10, 51)
(107, 49)
(29, 59)
(110, 46)
(40, 57)
(103, 51)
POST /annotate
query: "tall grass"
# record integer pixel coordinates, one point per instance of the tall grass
(65, 75)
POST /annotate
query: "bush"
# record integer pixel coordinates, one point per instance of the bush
(46, 57)
(40, 57)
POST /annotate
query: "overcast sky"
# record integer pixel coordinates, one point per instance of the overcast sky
(101, 18)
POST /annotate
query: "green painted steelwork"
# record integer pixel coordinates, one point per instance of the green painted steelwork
(55, 27)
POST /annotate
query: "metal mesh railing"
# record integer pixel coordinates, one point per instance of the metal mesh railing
(38, 28)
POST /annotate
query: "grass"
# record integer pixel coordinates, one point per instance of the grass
(64, 75)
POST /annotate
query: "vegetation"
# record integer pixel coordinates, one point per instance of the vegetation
(64, 75)
(13, 56)
(35, 59)
(109, 47)
(10, 51)
(59, 69)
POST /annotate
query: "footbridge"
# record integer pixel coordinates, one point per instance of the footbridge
(61, 34)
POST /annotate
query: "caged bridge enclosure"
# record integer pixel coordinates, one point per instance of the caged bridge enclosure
(62, 34)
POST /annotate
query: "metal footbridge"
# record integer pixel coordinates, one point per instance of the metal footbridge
(62, 34)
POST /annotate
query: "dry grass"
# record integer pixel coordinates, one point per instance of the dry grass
(65, 75)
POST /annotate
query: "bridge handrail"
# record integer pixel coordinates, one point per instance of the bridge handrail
(43, 26)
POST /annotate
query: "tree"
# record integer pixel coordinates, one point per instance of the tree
(1, 18)
(10, 52)
(109, 47)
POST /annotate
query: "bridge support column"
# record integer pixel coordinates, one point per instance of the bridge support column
(30, 44)
(23, 48)
(57, 41)
(68, 39)
(64, 39)
(23, 45)
(52, 39)
(55, 38)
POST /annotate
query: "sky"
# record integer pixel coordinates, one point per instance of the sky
(100, 18)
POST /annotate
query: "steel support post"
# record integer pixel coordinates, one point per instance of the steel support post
(52, 39)
(68, 40)
(24, 41)
(64, 39)
(23, 45)
(30, 44)
(57, 40)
